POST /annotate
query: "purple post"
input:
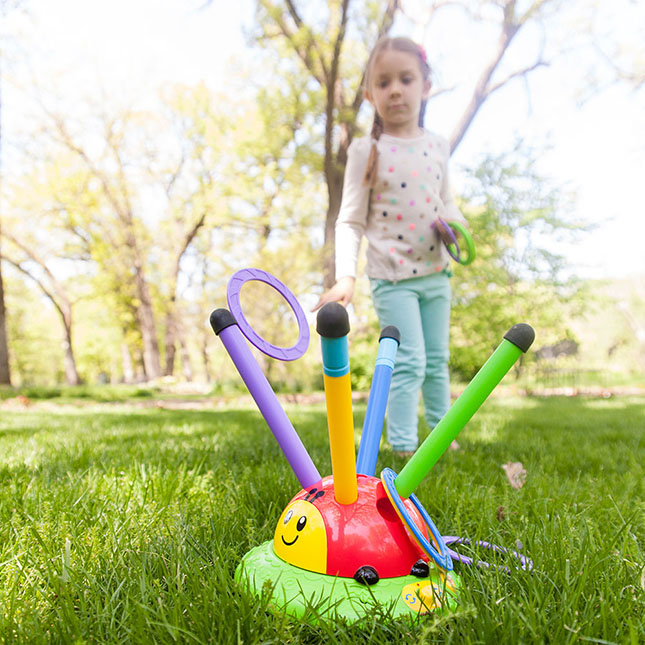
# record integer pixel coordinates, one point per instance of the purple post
(225, 326)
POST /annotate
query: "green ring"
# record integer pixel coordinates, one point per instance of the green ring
(317, 596)
(468, 241)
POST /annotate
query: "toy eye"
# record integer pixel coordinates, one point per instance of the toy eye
(301, 523)
(288, 516)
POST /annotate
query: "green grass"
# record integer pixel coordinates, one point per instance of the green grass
(120, 524)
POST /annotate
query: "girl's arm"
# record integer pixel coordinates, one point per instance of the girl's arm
(342, 291)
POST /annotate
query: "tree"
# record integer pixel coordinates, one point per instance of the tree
(31, 263)
(320, 49)
(326, 46)
(5, 373)
(517, 218)
(134, 188)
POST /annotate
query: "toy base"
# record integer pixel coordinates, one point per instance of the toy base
(316, 596)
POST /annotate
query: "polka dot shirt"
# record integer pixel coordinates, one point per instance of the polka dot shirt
(397, 215)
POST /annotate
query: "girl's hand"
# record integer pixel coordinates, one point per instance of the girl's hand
(443, 228)
(342, 291)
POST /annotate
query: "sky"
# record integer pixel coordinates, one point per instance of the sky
(595, 148)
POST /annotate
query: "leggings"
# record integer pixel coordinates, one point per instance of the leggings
(420, 309)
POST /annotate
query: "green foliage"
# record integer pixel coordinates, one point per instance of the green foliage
(516, 218)
(126, 524)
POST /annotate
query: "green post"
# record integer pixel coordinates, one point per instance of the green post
(517, 340)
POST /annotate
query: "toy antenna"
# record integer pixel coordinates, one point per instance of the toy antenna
(332, 323)
(225, 326)
(516, 340)
(377, 402)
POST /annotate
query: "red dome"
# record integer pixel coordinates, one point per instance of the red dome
(367, 532)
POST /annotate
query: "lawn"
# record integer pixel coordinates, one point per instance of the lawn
(124, 523)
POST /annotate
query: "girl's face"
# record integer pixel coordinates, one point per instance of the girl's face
(396, 90)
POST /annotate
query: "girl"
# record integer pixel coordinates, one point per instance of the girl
(396, 187)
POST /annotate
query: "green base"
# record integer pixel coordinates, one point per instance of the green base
(314, 596)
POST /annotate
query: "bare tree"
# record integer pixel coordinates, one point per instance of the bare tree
(36, 268)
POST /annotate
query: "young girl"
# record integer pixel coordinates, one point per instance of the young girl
(396, 187)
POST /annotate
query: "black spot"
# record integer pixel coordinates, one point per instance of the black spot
(400, 237)
(420, 569)
(438, 177)
(414, 271)
(384, 213)
(315, 495)
(301, 523)
(403, 184)
(366, 575)
(425, 154)
(436, 208)
(432, 248)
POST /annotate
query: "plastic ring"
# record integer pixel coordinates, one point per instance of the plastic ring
(525, 562)
(441, 557)
(233, 298)
(467, 240)
(453, 247)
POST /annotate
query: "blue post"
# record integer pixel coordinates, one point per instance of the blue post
(377, 402)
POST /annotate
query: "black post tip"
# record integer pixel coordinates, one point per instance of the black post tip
(521, 335)
(332, 321)
(221, 319)
(390, 332)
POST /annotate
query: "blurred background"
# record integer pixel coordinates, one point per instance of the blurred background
(149, 150)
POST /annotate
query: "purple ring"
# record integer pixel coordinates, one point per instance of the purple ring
(456, 254)
(526, 564)
(233, 298)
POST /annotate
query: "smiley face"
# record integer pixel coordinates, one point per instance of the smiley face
(300, 537)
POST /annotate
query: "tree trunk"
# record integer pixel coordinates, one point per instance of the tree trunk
(126, 361)
(71, 373)
(170, 340)
(186, 364)
(334, 179)
(5, 373)
(146, 320)
(205, 359)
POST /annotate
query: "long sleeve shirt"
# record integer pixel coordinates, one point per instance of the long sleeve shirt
(396, 215)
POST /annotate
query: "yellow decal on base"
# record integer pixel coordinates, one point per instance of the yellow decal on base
(300, 537)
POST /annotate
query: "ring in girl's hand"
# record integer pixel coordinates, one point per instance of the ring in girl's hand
(447, 234)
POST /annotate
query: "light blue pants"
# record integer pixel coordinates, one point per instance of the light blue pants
(420, 309)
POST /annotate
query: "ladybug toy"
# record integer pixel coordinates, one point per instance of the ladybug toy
(349, 543)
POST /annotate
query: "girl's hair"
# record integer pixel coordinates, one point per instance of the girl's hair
(403, 45)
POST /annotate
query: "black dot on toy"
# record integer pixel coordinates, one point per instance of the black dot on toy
(420, 569)
(366, 576)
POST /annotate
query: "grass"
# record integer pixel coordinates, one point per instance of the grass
(121, 524)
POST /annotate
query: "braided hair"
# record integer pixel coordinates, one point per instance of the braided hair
(404, 45)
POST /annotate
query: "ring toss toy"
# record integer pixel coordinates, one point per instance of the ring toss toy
(350, 541)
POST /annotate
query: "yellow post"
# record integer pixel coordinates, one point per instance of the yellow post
(340, 420)
(333, 326)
